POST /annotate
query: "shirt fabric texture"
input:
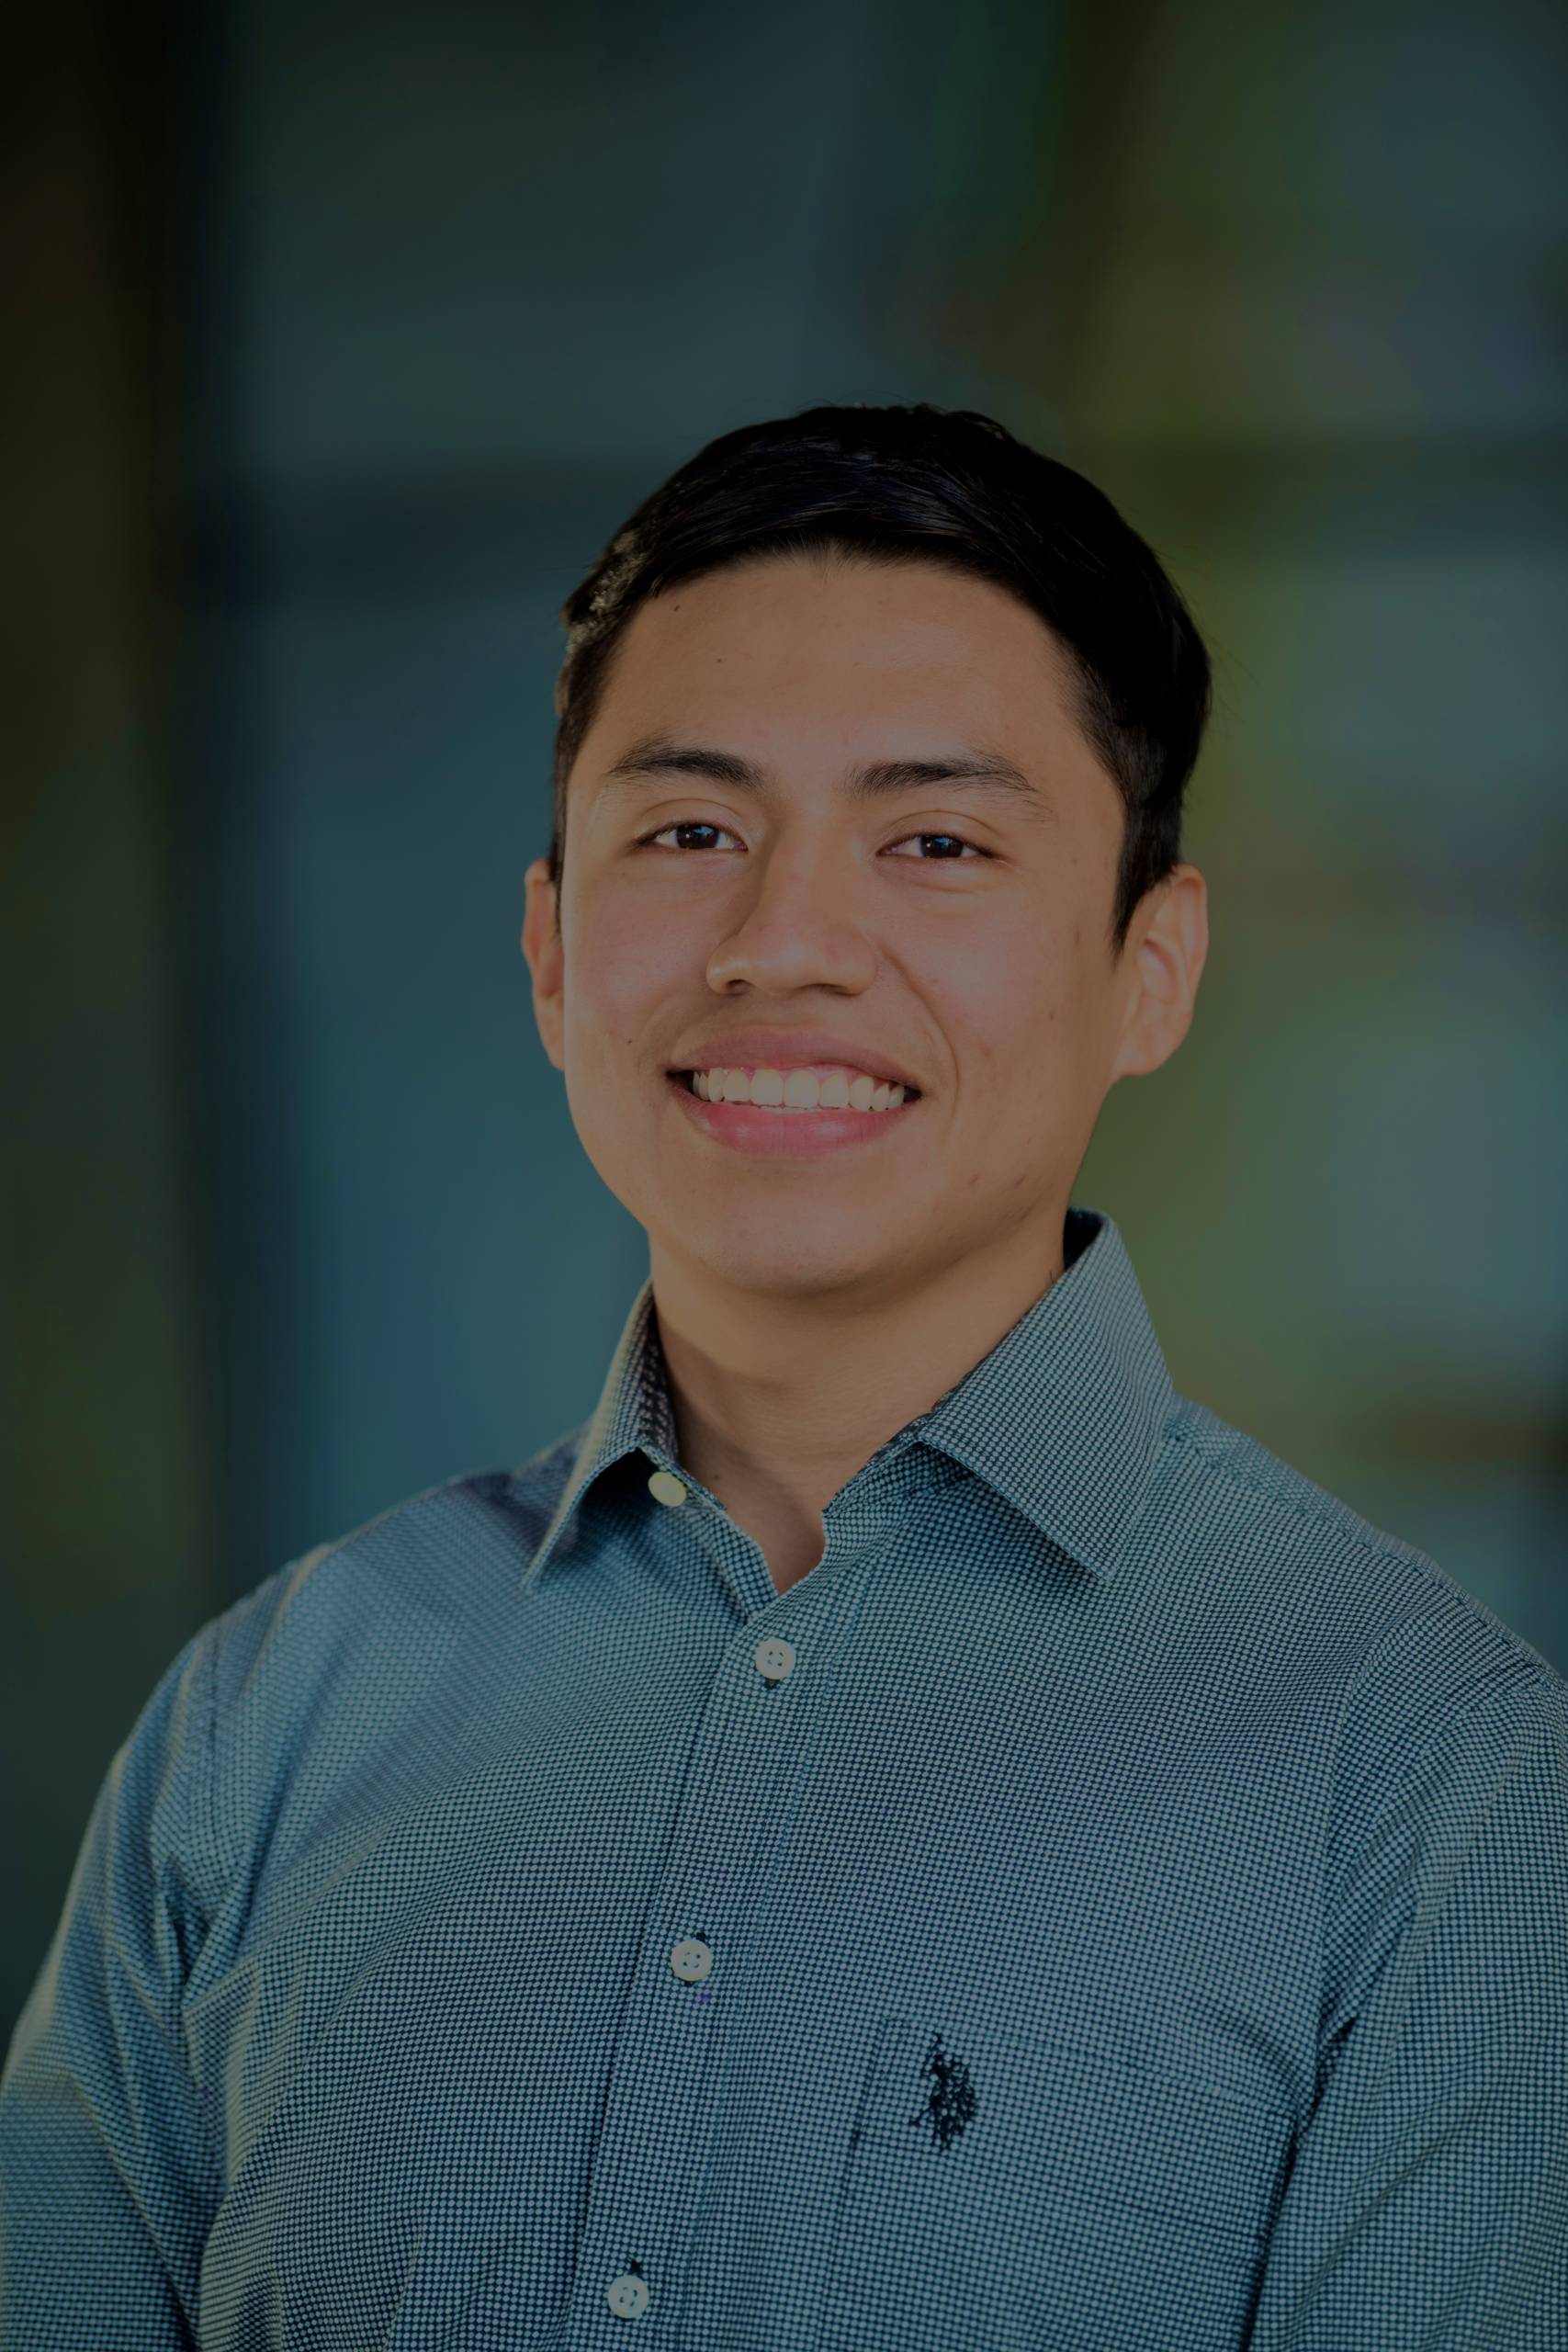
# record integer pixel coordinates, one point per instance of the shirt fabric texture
(1117, 1902)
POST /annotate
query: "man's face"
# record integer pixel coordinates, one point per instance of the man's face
(984, 971)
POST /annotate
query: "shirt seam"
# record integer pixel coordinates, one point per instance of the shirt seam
(204, 1819)
(1500, 1695)
(1539, 1693)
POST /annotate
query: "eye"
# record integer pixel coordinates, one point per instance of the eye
(686, 825)
(701, 825)
(962, 840)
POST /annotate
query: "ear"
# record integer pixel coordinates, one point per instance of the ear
(546, 962)
(1167, 948)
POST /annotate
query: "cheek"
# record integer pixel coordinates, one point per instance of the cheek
(621, 964)
(1028, 1054)
(1017, 1008)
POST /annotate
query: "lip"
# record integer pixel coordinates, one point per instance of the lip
(786, 1135)
(793, 1049)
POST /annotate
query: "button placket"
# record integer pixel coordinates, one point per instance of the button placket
(654, 2130)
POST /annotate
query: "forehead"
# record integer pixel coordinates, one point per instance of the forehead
(769, 618)
(789, 660)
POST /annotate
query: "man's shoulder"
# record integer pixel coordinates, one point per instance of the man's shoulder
(421, 1577)
(1389, 1614)
(349, 1657)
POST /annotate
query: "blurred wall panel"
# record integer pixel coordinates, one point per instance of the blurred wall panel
(1294, 281)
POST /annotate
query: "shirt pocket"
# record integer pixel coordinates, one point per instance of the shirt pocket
(1045, 2197)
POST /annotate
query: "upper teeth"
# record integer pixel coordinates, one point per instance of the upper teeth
(798, 1089)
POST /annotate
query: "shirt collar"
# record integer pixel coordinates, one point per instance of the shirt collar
(1063, 1418)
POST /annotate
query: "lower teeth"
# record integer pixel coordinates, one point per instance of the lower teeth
(724, 1103)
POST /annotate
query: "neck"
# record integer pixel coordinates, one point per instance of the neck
(779, 1399)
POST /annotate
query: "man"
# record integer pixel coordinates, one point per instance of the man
(902, 1830)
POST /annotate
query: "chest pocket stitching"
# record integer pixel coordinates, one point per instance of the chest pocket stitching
(944, 2081)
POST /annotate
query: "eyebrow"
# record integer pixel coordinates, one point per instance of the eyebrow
(969, 769)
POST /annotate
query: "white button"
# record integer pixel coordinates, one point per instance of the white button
(627, 2296)
(772, 1658)
(692, 1959)
(665, 1488)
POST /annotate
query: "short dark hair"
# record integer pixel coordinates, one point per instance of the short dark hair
(912, 484)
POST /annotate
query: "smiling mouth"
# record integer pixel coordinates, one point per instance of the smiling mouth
(684, 1077)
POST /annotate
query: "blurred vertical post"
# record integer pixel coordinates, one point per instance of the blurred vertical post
(104, 1458)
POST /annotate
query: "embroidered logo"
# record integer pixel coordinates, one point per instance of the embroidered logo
(950, 2102)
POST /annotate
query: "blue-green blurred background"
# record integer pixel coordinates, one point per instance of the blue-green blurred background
(343, 336)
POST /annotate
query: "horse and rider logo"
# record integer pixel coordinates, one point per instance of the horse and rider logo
(950, 2102)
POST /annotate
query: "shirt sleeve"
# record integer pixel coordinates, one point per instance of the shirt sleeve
(108, 2173)
(1428, 2204)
